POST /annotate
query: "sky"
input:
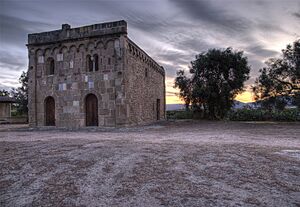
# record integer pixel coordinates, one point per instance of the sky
(170, 31)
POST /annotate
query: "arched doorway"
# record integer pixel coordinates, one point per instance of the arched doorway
(91, 110)
(49, 111)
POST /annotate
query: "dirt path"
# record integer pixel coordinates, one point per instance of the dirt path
(170, 164)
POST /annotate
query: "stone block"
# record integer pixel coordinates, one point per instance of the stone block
(109, 122)
(104, 112)
(110, 90)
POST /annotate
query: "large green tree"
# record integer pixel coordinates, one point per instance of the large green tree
(216, 77)
(280, 78)
(21, 94)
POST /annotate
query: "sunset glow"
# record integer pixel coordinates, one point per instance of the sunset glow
(245, 97)
(173, 100)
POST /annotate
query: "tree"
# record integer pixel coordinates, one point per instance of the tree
(217, 76)
(280, 77)
(21, 94)
(183, 83)
(4, 92)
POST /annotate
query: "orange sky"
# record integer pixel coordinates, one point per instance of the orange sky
(246, 96)
(171, 98)
(243, 97)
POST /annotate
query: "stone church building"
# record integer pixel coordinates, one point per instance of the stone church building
(92, 76)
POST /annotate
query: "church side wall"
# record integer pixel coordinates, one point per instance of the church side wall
(145, 84)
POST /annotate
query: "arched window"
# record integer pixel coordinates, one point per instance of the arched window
(89, 63)
(95, 62)
(50, 66)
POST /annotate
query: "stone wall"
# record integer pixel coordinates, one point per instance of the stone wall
(70, 83)
(144, 84)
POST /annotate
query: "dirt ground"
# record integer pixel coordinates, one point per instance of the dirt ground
(182, 163)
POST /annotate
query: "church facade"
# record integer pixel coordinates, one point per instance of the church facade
(92, 76)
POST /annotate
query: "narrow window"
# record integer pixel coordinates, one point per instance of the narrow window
(146, 72)
(108, 61)
(96, 62)
(89, 63)
(50, 66)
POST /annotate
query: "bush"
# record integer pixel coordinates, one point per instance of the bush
(243, 115)
(263, 115)
(179, 114)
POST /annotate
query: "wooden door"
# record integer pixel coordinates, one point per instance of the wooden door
(158, 109)
(91, 110)
(50, 111)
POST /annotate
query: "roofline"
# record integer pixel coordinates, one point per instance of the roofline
(66, 33)
(7, 100)
(86, 26)
(131, 41)
(74, 39)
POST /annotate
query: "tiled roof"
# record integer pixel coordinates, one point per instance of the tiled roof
(7, 99)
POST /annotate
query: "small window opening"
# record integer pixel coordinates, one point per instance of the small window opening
(95, 62)
(50, 66)
(89, 63)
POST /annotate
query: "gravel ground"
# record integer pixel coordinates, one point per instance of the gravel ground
(182, 163)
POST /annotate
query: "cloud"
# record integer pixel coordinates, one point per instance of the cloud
(259, 50)
(5, 87)
(204, 11)
(297, 14)
(14, 30)
(168, 93)
(12, 60)
(9, 79)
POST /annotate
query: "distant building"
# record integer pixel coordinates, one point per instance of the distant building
(92, 76)
(5, 108)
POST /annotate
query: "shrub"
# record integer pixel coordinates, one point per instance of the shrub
(179, 114)
(264, 115)
(243, 115)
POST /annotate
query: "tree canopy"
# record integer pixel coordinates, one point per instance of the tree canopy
(183, 83)
(280, 78)
(216, 77)
(21, 94)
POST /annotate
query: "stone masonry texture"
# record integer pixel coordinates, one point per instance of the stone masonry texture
(128, 83)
